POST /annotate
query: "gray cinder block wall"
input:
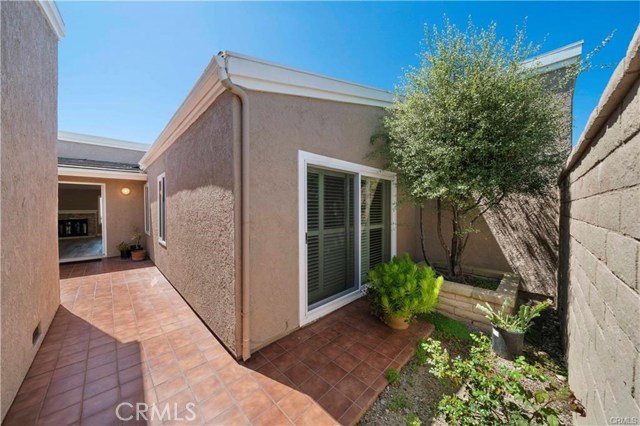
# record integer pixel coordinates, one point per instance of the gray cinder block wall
(600, 252)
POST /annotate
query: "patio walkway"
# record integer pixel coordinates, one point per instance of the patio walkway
(127, 337)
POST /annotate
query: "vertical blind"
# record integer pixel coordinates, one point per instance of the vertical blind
(375, 223)
(330, 234)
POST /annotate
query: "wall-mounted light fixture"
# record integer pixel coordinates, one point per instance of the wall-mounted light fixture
(125, 191)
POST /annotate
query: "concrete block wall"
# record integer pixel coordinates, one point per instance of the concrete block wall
(600, 253)
(458, 301)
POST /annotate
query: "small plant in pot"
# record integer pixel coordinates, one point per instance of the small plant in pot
(137, 251)
(125, 252)
(507, 334)
(399, 290)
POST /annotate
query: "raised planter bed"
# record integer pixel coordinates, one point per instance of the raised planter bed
(458, 301)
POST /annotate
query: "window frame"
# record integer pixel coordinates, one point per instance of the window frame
(162, 209)
(305, 160)
(147, 210)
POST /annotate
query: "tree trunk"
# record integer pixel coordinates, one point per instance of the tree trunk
(424, 250)
(455, 268)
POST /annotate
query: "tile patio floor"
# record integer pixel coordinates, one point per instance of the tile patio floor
(128, 337)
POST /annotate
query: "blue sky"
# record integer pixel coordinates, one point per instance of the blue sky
(125, 67)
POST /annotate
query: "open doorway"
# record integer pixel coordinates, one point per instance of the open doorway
(81, 221)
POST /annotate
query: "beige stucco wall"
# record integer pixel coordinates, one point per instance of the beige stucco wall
(600, 253)
(482, 250)
(124, 213)
(29, 288)
(96, 152)
(200, 257)
(280, 126)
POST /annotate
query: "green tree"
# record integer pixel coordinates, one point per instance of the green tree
(472, 125)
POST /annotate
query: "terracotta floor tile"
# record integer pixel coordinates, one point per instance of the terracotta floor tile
(215, 405)
(127, 335)
(366, 373)
(298, 374)
(335, 403)
(315, 387)
(100, 402)
(294, 404)
(351, 416)
(275, 389)
(255, 404)
(171, 387)
(332, 373)
(100, 385)
(241, 389)
(231, 417)
(274, 416)
(315, 416)
(61, 400)
(65, 416)
(351, 387)
(206, 388)
(347, 361)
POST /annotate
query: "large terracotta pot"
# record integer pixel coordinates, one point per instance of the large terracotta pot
(138, 255)
(397, 323)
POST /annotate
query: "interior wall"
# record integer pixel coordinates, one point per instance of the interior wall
(29, 283)
(124, 213)
(78, 199)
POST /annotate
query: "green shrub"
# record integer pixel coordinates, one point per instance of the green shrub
(412, 419)
(398, 402)
(448, 327)
(392, 375)
(518, 323)
(401, 288)
(421, 352)
(495, 395)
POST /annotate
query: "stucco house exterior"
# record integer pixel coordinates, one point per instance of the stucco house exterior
(29, 287)
(267, 209)
(111, 167)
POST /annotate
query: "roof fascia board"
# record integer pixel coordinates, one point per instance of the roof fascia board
(256, 74)
(259, 75)
(100, 141)
(102, 174)
(52, 14)
(556, 59)
(202, 95)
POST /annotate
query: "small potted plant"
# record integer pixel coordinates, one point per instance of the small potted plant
(137, 251)
(400, 289)
(125, 252)
(507, 334)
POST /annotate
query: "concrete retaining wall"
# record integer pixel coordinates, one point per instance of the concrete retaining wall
(458, 301)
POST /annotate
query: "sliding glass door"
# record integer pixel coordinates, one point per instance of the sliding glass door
(343, 242)
(330, 235)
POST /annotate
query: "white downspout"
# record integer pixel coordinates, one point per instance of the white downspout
(244, 189)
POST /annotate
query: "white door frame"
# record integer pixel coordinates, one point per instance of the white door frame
(306, 159)
(103, 195)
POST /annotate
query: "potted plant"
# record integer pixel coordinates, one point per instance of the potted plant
(399, 290)
(125, 252)
(137, 251)
(507, 334)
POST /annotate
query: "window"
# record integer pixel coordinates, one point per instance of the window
(162, 210)
(147, 211)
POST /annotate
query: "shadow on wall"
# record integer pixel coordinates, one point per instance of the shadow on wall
(564, 269)
(79, 372)
(526, 229)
